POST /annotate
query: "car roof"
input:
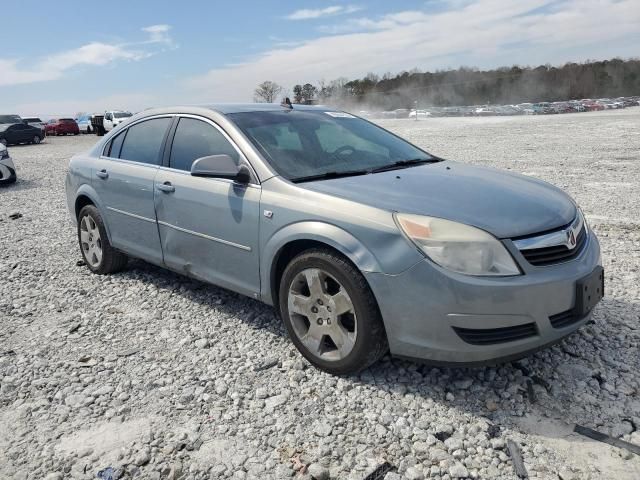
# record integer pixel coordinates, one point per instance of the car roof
(227, 108)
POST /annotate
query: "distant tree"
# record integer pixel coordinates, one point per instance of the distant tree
(297, 94)
(267, 92)
(308, 92)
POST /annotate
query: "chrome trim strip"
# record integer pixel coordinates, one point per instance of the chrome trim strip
(139, 217)
(553, 239)
(207, 237)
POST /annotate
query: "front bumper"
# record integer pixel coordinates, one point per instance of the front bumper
(425, 308)
(7, 171)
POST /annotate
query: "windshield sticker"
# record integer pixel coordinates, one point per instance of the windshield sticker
(340, 114)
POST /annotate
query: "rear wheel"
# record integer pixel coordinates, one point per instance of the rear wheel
(330, 313)
(99, 255)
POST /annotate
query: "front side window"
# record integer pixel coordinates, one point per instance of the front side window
(143, 141)
(303, 143)
(122, 115)
(196, 139)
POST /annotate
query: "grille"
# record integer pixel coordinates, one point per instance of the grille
(564, 319)
(491, 336)
(556, 254)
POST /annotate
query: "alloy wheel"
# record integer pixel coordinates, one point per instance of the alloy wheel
(322, 314)
(90, 241)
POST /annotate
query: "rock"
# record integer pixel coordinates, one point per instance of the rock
(497, 443)
(413, 473)
(273, 402)
(322, 429)
(458, 470)
(261, 393)
(318, 472)
(202, 343)
(54, 476)
(463, 384)
(142, 458)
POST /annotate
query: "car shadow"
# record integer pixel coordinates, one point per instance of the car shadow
(593, 368)
(20, 184)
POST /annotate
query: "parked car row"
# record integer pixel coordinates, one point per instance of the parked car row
(540, 108)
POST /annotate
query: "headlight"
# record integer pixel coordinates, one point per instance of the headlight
(458, 247)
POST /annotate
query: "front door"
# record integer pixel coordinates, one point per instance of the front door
(123, 178)
(208, 226)
(17, 133)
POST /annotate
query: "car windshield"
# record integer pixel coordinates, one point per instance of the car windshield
(32, 120)
(122, 114)
(305, 144)
(10, 119)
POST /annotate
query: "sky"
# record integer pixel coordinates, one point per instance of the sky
(135, 54)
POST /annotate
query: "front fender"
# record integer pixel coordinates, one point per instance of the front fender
(322, 232)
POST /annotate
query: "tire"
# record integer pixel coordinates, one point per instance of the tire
(36, 139)
(4, 141)
(109, 260)
(338, 343)
(88, 130)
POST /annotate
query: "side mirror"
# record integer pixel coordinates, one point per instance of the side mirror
(220, 166)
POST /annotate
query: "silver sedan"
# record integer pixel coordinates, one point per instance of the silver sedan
(363, 242)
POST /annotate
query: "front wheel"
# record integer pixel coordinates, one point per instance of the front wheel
(36, 139)
(330, 313)
(98, 254)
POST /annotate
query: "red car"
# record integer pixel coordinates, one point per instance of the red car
(61, 126)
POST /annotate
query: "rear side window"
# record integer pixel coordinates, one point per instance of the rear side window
(195, 139)
(114, 146)
(143, 141)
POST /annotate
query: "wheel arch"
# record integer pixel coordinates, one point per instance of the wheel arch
(297, 238)
(86, 195)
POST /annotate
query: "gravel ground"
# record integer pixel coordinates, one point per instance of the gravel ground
(160, 376)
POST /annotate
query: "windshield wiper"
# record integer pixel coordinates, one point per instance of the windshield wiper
(404, 164)
(328, 175)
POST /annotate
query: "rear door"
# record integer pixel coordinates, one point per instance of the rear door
(123, 179)
(208, 226)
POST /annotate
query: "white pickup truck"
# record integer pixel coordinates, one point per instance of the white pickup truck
(108, 121)
(113, 118)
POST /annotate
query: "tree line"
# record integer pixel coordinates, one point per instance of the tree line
(470, 86)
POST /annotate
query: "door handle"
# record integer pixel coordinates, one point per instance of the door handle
(166, 187)
(102, 174)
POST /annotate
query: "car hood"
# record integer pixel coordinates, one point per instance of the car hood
(4, 126)
(503, 203)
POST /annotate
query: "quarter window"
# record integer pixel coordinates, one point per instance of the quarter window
(143, 141)
(113, 149)
(196, 139)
